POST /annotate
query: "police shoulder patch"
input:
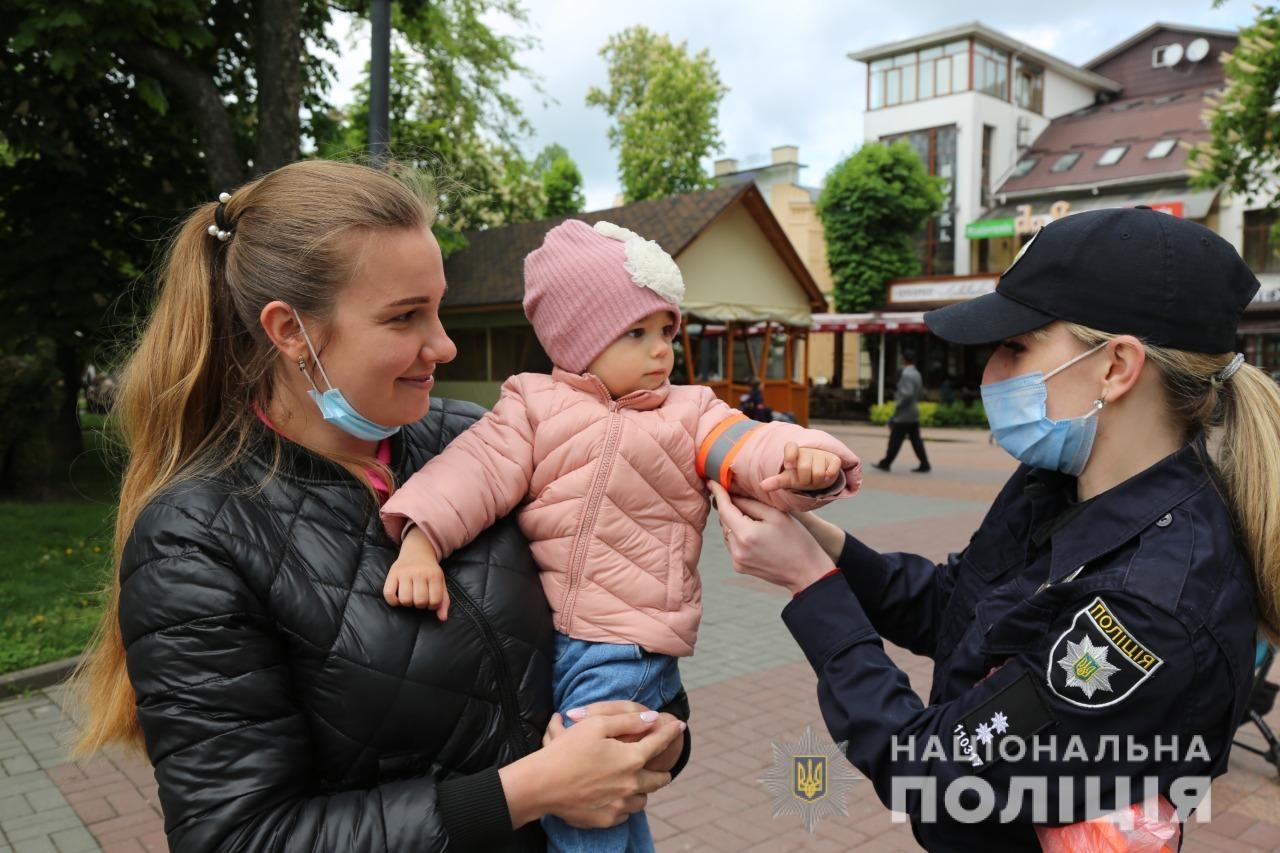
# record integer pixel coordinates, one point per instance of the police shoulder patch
(1096, 662)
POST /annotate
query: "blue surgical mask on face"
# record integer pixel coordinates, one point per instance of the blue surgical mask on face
(1017, 412)
(334, 407)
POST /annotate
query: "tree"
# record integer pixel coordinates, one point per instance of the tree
(1244, 121)
(483, 179)
(126, 114)
(561, 181)
(872, 205)
(665, 106)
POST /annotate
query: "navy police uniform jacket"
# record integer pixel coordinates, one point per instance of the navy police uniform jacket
(1105, 636)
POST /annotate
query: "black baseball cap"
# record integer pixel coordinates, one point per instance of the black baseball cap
(1135, 271)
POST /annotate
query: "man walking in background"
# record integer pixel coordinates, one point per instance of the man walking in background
(905, 422)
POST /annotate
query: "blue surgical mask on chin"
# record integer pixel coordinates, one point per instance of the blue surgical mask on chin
(1017, 412)
(334, 407)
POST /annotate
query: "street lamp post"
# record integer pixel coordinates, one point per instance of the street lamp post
(380, 81)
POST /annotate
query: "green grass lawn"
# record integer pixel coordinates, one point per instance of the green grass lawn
(55, 557)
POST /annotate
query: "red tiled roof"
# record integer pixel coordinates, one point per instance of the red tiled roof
(1137, 122)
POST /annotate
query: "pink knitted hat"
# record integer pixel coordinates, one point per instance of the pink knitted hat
(585, 286)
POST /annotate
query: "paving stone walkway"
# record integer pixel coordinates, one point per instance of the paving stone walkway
(749, 685)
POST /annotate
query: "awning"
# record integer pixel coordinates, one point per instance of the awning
(1180, 201)
(744, 313)
(871, 321)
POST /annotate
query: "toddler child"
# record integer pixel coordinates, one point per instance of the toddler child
(607, 462)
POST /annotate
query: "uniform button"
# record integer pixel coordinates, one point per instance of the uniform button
(1165, 520)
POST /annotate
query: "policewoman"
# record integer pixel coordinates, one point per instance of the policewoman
(1095, 640)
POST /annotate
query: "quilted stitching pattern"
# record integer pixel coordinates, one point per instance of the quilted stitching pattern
(267, 665)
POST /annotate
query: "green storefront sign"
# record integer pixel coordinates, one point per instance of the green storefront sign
(984, 229)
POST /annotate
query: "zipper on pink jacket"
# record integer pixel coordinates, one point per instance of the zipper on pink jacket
(579, 554)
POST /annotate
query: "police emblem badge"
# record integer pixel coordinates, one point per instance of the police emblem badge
(1097, 662)
(809, 778)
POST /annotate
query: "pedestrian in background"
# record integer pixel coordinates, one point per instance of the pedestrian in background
(905, 422)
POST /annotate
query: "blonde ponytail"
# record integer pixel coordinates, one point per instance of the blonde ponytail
(1242, 417)
(1249, 459)
(187, 395)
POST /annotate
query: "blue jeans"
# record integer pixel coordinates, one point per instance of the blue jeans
(587, 672)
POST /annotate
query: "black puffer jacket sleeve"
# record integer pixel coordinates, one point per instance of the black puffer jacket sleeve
(231, 751)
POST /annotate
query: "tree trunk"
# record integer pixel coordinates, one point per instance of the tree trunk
(205, 107)
(279, 72)
(67, 441)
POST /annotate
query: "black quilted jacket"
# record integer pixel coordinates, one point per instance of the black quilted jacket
(286, 706)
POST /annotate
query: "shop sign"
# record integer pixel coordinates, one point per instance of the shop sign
(940, 291)
(985, 229)
(1029, 223)
(1173, 208)
(1269, 295)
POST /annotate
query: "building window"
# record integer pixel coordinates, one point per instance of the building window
(988, 144)
(1259, 247)
(1065, 162)
(1166, 54)
(1161, 149)
(1028, 87)
(1025, 165)
(990, 71)
(918, 75)
(1112, 155)
(936, 241)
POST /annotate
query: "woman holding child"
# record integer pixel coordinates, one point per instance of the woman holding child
(279, 394)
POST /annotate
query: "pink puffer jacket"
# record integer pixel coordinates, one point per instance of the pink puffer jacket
(613, 496)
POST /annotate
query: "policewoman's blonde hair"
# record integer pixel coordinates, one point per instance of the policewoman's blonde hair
(1242, 416)
(187, 394)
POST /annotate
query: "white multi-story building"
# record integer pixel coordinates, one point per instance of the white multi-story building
(968, 99)
(1023, 137)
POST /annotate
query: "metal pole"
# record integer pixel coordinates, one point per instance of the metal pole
(880, 383)
(380, 81)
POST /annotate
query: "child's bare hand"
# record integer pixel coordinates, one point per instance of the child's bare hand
(804, 469)
(416, 578)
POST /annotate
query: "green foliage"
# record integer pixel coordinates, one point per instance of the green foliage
(872, 205)
(561, 181)
(55, 558)
(121, 116)
(28, 400)
(450, 117)
(1244, 121)
(936, 414)
(665, 107)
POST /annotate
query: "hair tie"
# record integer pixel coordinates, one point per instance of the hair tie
(1227, 372)
(222, 230)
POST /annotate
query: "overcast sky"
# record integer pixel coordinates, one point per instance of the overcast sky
(786, 64)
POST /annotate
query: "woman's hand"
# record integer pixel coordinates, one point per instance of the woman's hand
(828, 535)
(769, 544)
(588, 775)
(663, 762)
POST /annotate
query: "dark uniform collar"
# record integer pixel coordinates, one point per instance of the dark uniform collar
(1082, 532)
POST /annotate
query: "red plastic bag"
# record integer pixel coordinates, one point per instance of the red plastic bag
(1136, 832)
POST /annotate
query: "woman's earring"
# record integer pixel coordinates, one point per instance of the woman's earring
(302, 365)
